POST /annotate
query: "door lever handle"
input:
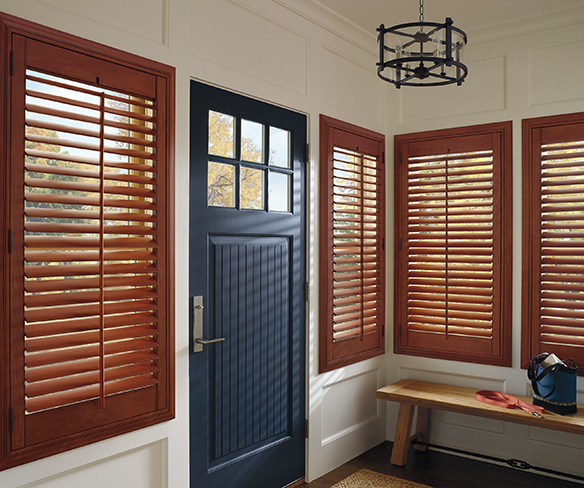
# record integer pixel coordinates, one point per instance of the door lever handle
(204, 341)
(198, 326)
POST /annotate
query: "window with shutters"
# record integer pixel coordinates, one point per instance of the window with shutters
(453, 244)
(553, 237)
(88, 321)
(352, 249)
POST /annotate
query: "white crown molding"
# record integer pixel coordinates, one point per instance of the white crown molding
(330, 20)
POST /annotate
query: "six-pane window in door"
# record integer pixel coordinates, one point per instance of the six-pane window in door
(249, 166)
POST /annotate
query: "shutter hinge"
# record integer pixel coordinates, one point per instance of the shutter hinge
(306, 428)
(11, 63)
(9, 241)
(11, 420)
(307, 291)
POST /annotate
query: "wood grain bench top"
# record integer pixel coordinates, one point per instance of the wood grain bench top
(462, 400)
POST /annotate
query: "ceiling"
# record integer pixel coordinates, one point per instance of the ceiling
(467, 14)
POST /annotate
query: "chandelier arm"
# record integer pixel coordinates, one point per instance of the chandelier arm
(406, 79)
(442, 77)
(408, 44)
(434, 30)
(405, 34)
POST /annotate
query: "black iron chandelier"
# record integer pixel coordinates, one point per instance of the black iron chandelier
(421, 53)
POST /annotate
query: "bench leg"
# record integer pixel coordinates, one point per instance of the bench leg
(403, 429)
(423, 427)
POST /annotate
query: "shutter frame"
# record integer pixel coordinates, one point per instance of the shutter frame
(18, 447)
(549, 317)
(425, 148)
(340, 343)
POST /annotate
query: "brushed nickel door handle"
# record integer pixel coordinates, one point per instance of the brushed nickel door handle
(198, 341)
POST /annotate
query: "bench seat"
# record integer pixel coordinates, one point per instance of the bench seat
(427, 396)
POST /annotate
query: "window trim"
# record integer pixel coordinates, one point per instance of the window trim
(531, 259)
(501, 134)
(16, 30)
(331, 357)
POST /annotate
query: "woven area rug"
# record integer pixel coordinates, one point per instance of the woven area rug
(370, 479)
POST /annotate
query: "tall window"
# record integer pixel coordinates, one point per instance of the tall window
(87, 322)
(453, 244)
(553, 237)
(352, 236)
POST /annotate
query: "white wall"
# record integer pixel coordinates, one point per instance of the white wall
(516, 71)
(289, 52)
(296, 54)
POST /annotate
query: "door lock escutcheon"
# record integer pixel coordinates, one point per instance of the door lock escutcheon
(198, 341)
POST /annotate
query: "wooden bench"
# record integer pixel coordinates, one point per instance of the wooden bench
(427, 396)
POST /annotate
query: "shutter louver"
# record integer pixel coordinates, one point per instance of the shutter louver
(91, 270)
(562, 246)
(356, 227)
(450, 244)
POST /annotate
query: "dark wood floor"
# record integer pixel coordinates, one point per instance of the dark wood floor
(441, 470)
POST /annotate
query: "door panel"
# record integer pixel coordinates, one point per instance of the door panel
(247, 262)
(250, 384)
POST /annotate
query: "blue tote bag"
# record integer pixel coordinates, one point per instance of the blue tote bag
(554, 385)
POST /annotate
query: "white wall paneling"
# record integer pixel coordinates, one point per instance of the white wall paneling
(348, 83)
(345, 418)
(112, 471)
(485, 91)
(143, 18)
(248, 41)
(552, 71)
(352, 398)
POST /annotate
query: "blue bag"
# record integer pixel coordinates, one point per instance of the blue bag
(554, 385)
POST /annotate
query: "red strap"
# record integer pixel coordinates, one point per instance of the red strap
(508, 401)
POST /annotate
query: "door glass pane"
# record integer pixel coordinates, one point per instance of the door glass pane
(221, 134)
(279, 147)
(252, 141)
(252, 188)
(279, 192)
(220, 185)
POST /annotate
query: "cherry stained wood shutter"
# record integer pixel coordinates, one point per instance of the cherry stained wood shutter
(553, 233)
(90, 224)
(352, 275)
(452, 248)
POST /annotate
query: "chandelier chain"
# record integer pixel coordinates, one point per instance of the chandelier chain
(421, 11)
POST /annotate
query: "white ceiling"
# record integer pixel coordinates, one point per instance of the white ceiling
(466, 14)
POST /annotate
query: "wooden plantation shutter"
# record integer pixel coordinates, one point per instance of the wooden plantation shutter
(352, 277)
(91, 263)
(452, 244)
(553, 233)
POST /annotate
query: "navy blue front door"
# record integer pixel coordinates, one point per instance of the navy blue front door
(247, 286)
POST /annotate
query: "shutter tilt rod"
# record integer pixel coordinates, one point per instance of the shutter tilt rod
(514, 463)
